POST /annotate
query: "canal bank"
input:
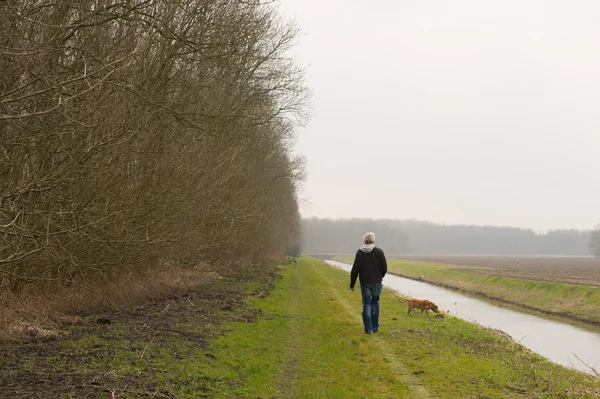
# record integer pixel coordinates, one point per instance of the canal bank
(561, 343)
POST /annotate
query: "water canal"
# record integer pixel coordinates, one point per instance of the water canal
(559, 342)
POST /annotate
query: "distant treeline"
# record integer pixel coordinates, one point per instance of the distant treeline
(420, 237)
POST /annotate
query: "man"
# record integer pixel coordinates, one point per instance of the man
(370, 267)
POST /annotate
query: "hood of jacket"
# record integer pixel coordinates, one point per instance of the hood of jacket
(367, 248)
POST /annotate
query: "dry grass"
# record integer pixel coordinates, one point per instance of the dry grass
(40, 308)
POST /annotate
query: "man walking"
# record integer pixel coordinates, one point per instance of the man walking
(370, 267)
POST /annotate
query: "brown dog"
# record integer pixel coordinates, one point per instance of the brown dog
(422, 304)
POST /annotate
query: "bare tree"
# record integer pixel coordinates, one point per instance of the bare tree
(135, 131)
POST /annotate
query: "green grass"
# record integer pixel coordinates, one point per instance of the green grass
(574, 301)
(309, 343)
(303, 340)
(305, 345)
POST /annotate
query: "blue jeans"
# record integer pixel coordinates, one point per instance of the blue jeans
(370, 300)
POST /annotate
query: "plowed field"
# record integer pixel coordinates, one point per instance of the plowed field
(567, 269)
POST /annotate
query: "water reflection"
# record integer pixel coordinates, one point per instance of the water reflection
(556, 341)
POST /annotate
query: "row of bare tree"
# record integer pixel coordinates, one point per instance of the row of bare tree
(139, 131)
(323, 236)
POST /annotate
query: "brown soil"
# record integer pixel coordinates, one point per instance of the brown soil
(568, 269)
(579, 277)
(80, 360)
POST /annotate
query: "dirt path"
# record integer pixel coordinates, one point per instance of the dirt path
(353, 309)
(348, 308)
(291, 361)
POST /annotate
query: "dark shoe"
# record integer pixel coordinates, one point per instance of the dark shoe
(368, 332)
(376, 330)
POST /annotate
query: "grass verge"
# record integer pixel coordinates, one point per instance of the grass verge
(303, 340)
(309, 343)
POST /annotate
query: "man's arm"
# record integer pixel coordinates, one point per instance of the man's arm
(383, 263)
(354, 271)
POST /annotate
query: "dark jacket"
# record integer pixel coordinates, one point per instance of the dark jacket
(369, 267)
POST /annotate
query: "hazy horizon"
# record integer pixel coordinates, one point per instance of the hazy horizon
(396, 219)
(456, 112)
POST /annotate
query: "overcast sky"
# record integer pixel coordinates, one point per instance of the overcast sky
(457, 112)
